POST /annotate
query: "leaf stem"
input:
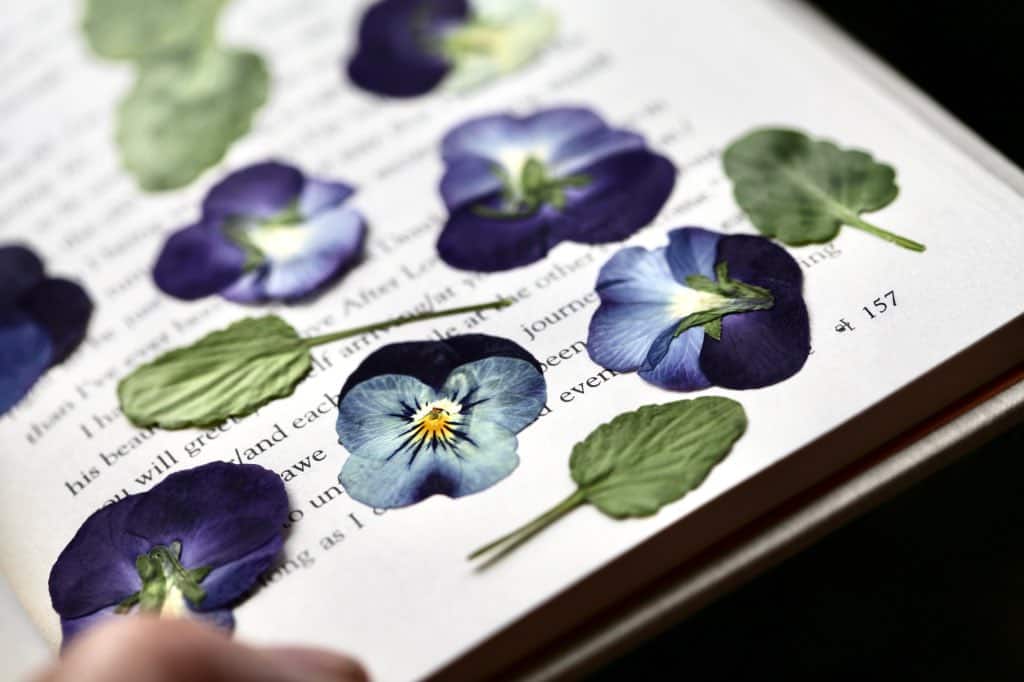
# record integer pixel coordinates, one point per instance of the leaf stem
(507, 543)
(861, 224)
(404, 319)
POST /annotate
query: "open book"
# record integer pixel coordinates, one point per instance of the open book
(895, 335)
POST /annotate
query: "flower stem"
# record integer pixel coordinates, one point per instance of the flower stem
(404, 319)
(861, 224)
(507, 543)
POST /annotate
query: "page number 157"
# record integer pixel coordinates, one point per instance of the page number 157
(881, 304)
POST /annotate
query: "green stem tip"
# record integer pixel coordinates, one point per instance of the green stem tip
(506, 543)
(405, 319)
(861, 224)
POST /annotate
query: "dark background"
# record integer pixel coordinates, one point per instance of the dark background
(929, 586)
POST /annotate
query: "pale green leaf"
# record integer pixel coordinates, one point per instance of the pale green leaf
(642, 460)
(639, 462)
(228, 373)
(183, 114)
(801, 190)
(144, 29)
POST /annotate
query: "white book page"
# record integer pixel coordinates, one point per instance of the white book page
(397, 591)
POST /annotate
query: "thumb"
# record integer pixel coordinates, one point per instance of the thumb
(143, 649)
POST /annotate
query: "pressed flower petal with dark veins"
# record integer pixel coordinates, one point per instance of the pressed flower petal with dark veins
(456, 435)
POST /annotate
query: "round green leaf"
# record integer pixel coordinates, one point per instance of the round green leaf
(134, 29)
(228, 373)
(801, 190)
(183, 114)
(642, 460)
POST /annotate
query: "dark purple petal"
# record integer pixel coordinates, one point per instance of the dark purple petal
(692, 251)
(398, 41)
(432, 361)
(20, 270)
(230, 581)
(624, 194)
(471, 241)
(197, 261)
(219, 512)
(25, 354)
(62, 309)
(760, 261)
(763, 347)
(97, 568)
(257, 191)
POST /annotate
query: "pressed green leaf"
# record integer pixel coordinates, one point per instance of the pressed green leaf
(228, 373)
(183, 114)
(801, 190)
(642, 460)
(144, 29)
(639, 462)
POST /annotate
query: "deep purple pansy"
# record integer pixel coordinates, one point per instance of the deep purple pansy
(193, 545)
(408, 47)
(267, 232)
(517, 186)
(708, 309)
(42, 320)
(436, 418)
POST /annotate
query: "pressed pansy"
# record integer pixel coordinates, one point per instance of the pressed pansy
(409, 47)
(192, 546)
(42, 320)
(267, 232)
(708, 309)
(436, 418)
(517, 186)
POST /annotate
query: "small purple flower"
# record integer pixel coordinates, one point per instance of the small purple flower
(42, 320)
(709, 309)
(515, 187)
(192, 546)
(436, 418)
(408, 47)
(267, 232)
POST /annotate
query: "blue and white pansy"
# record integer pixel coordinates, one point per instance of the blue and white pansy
(409, 47)
(517, 186)
(707, 310)
(436, 418)
(267, 232)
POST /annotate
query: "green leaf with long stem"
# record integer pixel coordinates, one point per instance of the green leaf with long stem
(801, 190)
(639, 462)
(235, 371)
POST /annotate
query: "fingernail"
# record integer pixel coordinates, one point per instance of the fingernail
(317, 665)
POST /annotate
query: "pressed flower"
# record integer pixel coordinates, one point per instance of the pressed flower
(42, 320)
(192, 546)
(267, 232)
(436, 418)
(409, 47)
(708, 309)
(517, 186)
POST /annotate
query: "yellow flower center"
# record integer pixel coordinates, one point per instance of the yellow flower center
(436, 422)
